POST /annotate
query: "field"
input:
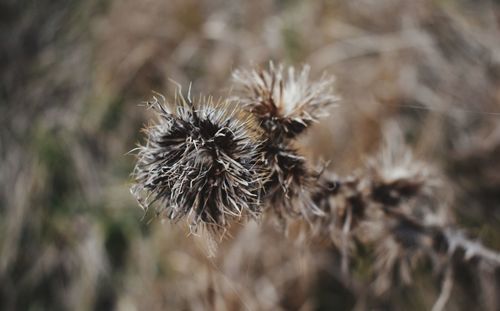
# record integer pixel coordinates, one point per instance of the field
(404, 167)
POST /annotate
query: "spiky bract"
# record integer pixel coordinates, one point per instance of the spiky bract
(285, 101)
(201, 161)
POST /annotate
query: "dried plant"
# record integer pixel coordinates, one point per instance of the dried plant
(212, 163)
(286, 103)
(395, 207)
(201, 161)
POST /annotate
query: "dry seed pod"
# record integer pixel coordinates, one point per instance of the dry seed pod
(201, 161)
(288, 189)
(284, 101)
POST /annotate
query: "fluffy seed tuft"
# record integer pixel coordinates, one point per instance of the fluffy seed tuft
(201, 162)
(285, 101)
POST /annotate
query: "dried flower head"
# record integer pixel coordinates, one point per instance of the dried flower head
(285, 102)
(289, 186)
(202, 161)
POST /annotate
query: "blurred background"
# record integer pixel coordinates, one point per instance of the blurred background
(72, 76)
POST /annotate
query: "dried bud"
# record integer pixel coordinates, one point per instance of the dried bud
(289, 187)
(202, 161)
(285, 102)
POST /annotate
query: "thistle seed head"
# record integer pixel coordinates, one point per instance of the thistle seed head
(285, 102)
(202, 162)
(288, 188)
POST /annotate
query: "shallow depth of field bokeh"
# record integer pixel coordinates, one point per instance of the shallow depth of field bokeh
(74, 73)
